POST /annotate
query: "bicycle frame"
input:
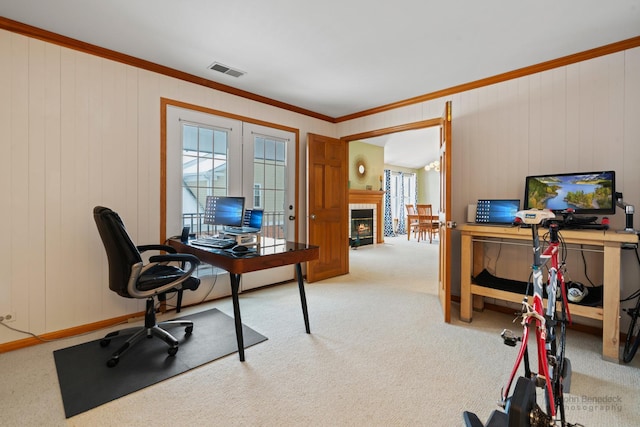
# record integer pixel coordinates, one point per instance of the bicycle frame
(534, 314)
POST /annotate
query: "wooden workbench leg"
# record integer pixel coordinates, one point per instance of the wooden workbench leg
(235, 288)
(478, 303)
(477, 258)
(466, 260)
(611, 303)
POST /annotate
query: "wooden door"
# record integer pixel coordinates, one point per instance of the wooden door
(327, 207)
(446, 223)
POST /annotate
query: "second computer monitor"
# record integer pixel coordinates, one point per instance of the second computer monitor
(253, 218)
(224, 210)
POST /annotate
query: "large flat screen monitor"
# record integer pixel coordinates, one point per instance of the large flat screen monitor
(224, 210)
(585, 192)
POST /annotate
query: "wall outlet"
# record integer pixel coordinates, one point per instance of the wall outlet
(8, 317)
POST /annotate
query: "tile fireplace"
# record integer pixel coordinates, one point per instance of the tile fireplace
(361, 227)
(369, 200)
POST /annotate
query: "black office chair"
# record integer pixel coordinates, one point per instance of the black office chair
(131, 278)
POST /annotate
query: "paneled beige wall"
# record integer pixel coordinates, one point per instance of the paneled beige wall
(78, 131)
(581, 117)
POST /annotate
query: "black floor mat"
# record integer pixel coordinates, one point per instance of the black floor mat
(87, 382)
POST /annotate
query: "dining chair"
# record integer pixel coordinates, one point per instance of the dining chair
(427, 224)
(412, 221)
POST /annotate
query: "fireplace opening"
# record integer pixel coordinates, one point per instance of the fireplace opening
(361, 227)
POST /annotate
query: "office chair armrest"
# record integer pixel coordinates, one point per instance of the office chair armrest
(175, 257)
(165, 248)
(139, 268)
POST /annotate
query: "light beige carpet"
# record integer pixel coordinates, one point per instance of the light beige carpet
(379, 355)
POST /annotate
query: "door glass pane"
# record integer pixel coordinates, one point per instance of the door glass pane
(204, 172)
(270, 187)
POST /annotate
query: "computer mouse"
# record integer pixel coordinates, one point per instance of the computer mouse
(240, 248)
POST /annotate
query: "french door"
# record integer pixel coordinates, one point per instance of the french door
(209, 154)
(268, 177)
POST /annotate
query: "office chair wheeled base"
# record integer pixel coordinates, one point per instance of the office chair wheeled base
(149, 330)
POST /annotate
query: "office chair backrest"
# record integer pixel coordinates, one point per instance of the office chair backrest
(122, 254)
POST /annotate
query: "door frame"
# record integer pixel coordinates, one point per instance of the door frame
(394, 129)
(434, 122)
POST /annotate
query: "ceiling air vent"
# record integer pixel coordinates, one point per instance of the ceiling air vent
(216, 66)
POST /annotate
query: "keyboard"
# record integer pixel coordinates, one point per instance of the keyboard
(214, 243)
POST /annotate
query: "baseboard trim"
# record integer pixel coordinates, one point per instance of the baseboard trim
(66, 333)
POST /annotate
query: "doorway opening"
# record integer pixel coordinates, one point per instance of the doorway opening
(409, 150)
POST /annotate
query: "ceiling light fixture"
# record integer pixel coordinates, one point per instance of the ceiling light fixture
(435, 165)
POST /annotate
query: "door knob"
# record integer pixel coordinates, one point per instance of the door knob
(291, 217)
(312, 216)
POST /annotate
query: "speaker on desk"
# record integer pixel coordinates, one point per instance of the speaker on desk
(471, 213)
(184, 237)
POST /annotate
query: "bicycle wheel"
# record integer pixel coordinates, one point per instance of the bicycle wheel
(557, 369)
(560, 373)
(556, 333)
(633, 336)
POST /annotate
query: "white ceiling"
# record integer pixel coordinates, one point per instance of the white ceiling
(411, 149)
(338, 57)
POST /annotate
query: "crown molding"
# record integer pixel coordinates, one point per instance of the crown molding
(40, 34)
(68, 42)
(499, 78)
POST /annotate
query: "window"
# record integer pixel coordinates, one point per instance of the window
(257, 196)
(204, 171)
(271, 180)
(403, 192)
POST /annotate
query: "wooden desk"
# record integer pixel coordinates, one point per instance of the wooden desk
(610, 241)
(291, 253)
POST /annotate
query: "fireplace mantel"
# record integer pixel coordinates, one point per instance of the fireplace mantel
(373, 197)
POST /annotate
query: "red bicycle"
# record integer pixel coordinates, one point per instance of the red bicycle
(554, 369)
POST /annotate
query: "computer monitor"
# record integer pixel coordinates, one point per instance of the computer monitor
(253, 218)
(584, 193)
(224, 210)
(492, 211)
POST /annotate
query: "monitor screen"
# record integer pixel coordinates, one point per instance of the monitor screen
(491, 211)
(253, 218)
(585, 193)
(224, 210)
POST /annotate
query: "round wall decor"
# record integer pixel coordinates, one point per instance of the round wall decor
(361, 168)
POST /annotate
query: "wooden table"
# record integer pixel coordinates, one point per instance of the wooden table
(236, 265)
(419, 218)
(471, 264)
